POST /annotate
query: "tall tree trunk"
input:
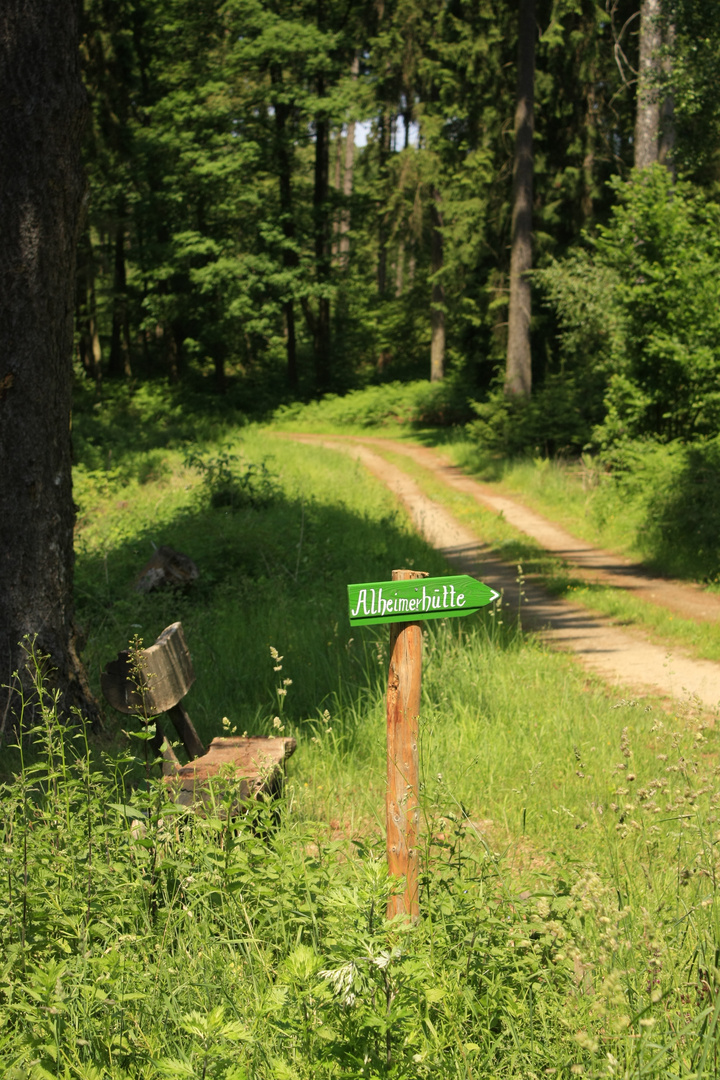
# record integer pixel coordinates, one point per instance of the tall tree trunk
(647, 112)
(591, 133)
(89, 349)
(667, 110)
(347, 186)
(290, 260)
(337, 183)
(119, 363)
(518, 369)
(321, 336)
(400, 268)
(173, 341)
(42, 112)
(219, 356)
(437, 306)
(385, 128)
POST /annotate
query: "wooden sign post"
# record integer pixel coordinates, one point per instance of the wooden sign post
(413, 595)
(402, 812)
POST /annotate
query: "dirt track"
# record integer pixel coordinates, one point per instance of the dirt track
(620, 656)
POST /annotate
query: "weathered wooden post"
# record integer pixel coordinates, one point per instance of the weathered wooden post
(401, 798)
(410, 597)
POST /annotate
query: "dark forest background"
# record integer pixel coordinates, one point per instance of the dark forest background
(290, 198)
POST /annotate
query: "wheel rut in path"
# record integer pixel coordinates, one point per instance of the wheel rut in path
(620, 656)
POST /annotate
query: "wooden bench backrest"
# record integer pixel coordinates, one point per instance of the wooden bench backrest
(166, 674)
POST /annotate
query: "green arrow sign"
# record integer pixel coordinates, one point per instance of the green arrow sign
(420, 598)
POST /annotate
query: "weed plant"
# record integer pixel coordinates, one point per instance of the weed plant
(143, 941)
(569, 920)
(229, 481)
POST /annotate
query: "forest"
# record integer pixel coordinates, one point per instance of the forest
(289, 199)
(300, 292)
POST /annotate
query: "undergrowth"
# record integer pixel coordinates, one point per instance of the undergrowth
(396, 406)
(568, 892)
(141, 940)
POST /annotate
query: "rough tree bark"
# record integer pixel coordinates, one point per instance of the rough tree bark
(647, 111)
(42, 112)
(283, 153)
(518, 368)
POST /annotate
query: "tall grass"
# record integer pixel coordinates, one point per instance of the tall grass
(569, 915)
(576, 932)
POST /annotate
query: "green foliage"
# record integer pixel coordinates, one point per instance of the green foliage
(227, 479)
(554, 421)
(568, 899)
(392, 404)
(643, 308)
(227, 211)
(674, 488)
(143, 940)
(693, 79)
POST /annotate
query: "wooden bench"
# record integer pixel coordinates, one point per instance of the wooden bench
(163, 675)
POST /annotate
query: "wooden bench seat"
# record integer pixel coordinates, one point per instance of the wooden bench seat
(258, 763)
(164, 675)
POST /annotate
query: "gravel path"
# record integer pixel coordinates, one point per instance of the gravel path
(623, 657)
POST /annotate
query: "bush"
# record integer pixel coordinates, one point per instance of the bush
(391, 404)
(228, 480)
(551, 422)
(641, 308)
(678, 487)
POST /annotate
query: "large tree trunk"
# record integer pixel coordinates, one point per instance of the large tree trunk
(647, 114)
(119, 362)
(666, 145)
(42, 112)
(518, 370)
(437, 305)
(321, 191)
(290, 258)
(347, 186)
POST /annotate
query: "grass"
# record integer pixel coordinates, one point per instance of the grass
(569, 911)
(579, 496)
